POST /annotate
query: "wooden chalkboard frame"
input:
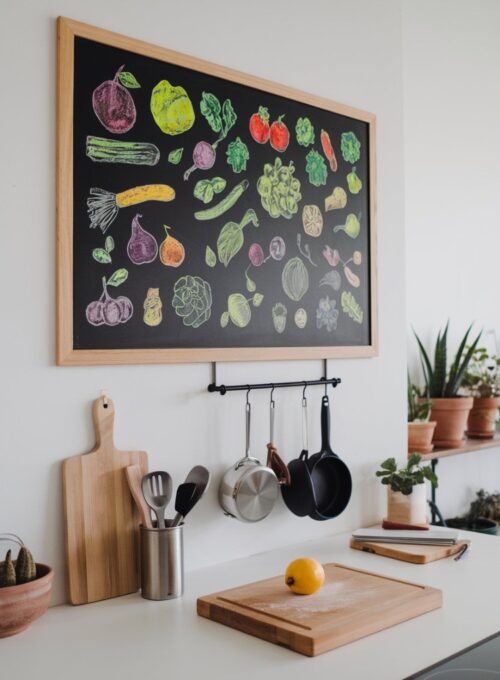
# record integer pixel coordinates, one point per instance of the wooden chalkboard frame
(65, 352)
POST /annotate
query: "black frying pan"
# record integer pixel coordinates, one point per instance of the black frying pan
(299, 495)
(330, 476)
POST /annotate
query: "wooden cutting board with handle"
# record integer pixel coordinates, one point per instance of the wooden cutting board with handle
(351, 603)
(101, 521)
(416, 554)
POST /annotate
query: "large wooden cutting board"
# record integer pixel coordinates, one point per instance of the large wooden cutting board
(351, 604)
(416, 554)
(101, 522)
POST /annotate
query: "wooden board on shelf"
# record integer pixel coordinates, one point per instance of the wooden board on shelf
(351, 604)
(416, 554)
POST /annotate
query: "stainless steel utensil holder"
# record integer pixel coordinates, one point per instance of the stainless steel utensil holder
(162, 563)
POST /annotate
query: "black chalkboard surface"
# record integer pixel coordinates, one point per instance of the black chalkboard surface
(210, 213)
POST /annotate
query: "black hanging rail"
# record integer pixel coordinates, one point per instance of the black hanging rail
(222, 389)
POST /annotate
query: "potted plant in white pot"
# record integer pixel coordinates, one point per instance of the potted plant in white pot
(482, 382)
(25, 588)
(420, 428)
(450, 410)
(406, 494)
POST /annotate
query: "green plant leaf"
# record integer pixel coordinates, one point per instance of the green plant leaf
(351, 307)
(426, 365)
(231, 237)
(413, 460)
(101, 255)
(410, 398)
(218, 184)
(229, 115)
(117, 278)
(127, 79)
(458, 369)
(175, 156)
(251, 285)
(109, 244)
(210, 108)
(389, 464)
(229, 242)
(237, 155)
(210, 257)
(438, 382)
(203, 190)
(458, 356)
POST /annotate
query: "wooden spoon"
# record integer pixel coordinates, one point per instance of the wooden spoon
(134, 478)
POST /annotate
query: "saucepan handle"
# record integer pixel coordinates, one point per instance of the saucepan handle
(277, 465)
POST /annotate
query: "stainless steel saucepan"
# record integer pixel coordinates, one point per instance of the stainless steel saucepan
(248, 490)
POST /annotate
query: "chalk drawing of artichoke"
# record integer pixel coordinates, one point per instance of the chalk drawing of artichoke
(192, 300)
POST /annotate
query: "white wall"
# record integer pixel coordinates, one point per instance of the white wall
(349, 53)
(451, 59)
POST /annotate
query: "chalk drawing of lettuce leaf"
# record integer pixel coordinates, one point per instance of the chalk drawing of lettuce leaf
(351, 307)
(210, 257)
(210, 108)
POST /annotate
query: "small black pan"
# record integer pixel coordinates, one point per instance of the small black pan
(330, 476)
(299, 495)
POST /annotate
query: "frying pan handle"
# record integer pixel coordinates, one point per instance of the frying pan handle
(277, 465)
(305, 435)
(325, 424)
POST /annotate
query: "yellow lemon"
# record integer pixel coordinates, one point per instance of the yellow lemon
(304, 576)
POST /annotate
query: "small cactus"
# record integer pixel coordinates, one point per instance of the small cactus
(24, 568)
(7, 571)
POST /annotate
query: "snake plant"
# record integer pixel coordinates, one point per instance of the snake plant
(439, 382)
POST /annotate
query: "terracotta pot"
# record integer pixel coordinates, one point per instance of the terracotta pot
(21, 605)
(451, 419)
(481, 422)
(410, 509)
(420, 437)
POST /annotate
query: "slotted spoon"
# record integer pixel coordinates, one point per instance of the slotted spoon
(157, 491)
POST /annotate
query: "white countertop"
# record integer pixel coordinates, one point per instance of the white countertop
(130, 637)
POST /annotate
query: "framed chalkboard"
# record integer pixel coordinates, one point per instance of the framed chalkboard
(204, 214)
